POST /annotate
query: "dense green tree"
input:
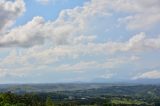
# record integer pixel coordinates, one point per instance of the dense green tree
(49, 102)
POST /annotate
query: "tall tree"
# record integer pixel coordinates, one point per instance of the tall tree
(49, 102)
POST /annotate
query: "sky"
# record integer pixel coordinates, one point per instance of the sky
(52, 41)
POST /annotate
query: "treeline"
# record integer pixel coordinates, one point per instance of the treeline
(32, 99)
(10, 99)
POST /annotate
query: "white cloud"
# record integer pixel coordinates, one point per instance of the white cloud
(69, 26)
(141, 21)
(73, 23)
(144, 13)
(25, 36)
(36, 60)
(44, 56)
(10, 11)
(111, 63)
(47, 42)
(15, 73)
(136, 43)
(155, 74)
(3, 72)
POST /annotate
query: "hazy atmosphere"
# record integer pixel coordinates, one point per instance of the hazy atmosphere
(52, 41)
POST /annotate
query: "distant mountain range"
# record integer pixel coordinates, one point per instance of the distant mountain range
(95, 84)
(137, 81)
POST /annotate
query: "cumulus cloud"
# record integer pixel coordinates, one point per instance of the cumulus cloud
(47, 55)
(83, 66)
(69, 35)
(25, 36)
(137, 43)
(144, 13)
(73, 23)
(155, 74)
(10, 11)
(70, 24)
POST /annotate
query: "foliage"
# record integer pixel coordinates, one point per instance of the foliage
(49, 102)
(106, 96)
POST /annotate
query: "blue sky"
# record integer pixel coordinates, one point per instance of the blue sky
(50, 41)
